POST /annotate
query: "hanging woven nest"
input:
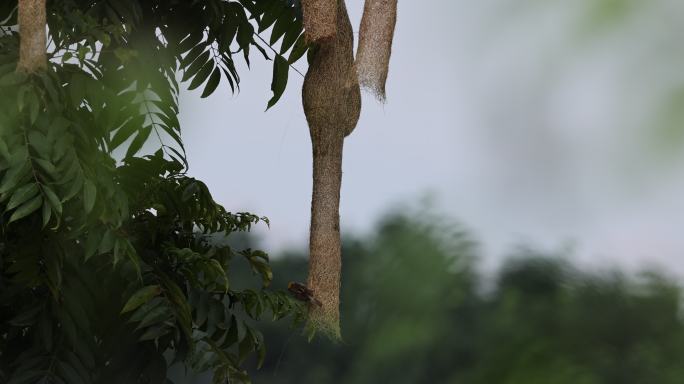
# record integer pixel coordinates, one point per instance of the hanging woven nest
(33, 40)
(375, 45)
(320, 19)
(332, 103)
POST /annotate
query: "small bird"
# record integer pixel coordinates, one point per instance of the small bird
(301, 292)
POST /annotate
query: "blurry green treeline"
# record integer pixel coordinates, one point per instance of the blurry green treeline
(415, 310)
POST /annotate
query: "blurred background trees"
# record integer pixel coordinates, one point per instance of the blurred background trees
(415, 309)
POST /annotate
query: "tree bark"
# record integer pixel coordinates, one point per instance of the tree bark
(32, 35)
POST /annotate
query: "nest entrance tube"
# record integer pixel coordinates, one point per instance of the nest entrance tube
(332, 103)
(325, 248)
(32, 36)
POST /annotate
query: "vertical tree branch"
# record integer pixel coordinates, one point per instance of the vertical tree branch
(32, 34)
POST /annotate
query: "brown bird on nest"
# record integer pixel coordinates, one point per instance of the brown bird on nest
(301, 292)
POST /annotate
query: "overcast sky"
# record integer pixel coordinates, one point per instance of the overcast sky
(529, 122)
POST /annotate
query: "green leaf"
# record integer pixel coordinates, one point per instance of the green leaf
(47, 212)
(4, 149)
(213, 82)
(156, 315)
(25, 318)
(196, 65)
(280, 72)
(107, 242)
(202, 309)
(53, 199)
(247, 345)
(192, 55)
(182, 308)
(261, 352)
(51, 84)
(46, 332)
(14, 176)
(92, 242)
(26, 209)
(25, 377)
(189, 191)
(47, 167)
(227, 36)
(221, 272)
(216, 314)
(70, 374)
(245, 37)
(281, 26)
(21, 195)
(77, 89)
(154, 332)
(299, 49)
(53, 266)
(126, 131)
(270, 16)
(12, 78)
(89, 194)
(84, 353)
(291, 37)
(75, 181)
(78, 366)
(34, 107)
(146, 308)
(141, 297)
(140, 139)
(190, 41)
(40, 143)
(202, 75)
(232, 333)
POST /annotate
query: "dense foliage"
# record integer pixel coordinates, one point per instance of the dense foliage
(416, 311)
(109, 268)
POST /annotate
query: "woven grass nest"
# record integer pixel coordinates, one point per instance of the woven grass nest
(332, 103)
(33, 40)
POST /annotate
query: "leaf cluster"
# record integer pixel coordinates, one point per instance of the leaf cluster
(109, 268)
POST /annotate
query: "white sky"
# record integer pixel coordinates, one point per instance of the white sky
(523, 120)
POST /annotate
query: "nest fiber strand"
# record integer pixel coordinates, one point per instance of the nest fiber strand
(332, 103)
(375, 45)
(33, 39)
(320, 19)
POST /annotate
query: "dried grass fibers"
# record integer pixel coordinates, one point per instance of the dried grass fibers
(375, 45)
(320, 19)
(32, 35)
(332, 103)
